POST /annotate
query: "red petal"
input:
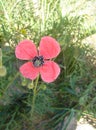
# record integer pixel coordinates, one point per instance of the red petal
(49, 71)
(26, 50)
(49, 47)
(29, 71)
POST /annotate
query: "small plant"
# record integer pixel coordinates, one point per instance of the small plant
(39, 62)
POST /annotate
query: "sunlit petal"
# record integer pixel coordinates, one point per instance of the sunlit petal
(49, 71)
(49, 47)
(26, 50)
(29, 71)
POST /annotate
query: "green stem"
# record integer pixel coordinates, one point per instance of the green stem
(0, 57)
(34, 96)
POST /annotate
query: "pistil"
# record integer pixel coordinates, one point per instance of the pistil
(38, 61)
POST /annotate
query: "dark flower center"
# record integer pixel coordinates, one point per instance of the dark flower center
(38, 61)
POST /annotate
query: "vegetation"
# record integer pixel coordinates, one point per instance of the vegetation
(74, 92)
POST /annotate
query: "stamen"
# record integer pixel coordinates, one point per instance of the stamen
(38, 61)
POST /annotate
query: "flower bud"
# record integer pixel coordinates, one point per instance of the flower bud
(0, 57)
(2, 71)
(43, 87)
(30, 86)
(24, 82)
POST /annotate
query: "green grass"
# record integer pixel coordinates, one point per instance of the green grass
(74, 92)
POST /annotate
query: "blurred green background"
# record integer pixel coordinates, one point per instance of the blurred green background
(73, 24)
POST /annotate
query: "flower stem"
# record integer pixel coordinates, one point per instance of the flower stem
(0, 57)
(34, 96)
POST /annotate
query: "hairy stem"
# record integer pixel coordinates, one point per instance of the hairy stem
(34, 96)
(0, 57)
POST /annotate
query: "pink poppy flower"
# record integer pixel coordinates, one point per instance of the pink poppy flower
(39, 61)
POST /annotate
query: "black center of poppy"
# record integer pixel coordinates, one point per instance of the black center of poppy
(38, 61)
